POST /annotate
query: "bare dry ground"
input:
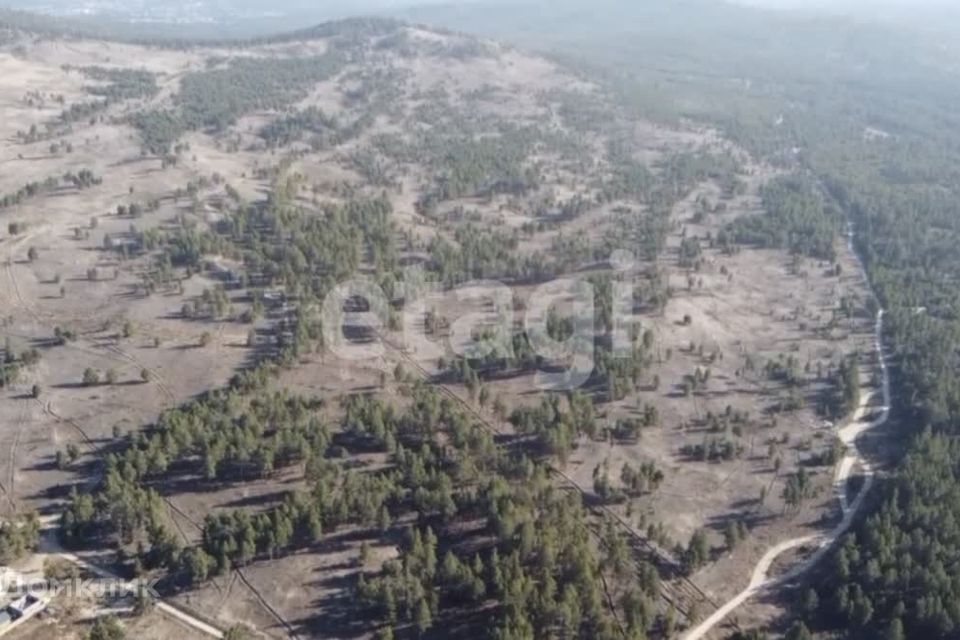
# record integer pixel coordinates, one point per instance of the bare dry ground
(756, 305)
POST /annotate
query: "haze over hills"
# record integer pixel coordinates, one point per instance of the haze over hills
(256, 17)
(208, 19)
(248, 17)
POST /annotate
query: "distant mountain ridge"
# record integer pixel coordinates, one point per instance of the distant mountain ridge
(12, 20)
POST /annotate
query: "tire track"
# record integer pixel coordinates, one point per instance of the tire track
(227, 591)
(291, 632)
(3, 490)
(73, 423)
(176, 523)
(8, 496)
(11, 488)
(679, 595)
(19, 296)
(215, 341)
(154, 375)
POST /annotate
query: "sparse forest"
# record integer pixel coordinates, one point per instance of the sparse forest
(175, 390)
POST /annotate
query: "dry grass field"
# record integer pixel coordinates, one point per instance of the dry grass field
(412, 111)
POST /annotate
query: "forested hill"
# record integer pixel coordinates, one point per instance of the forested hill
(187, 36)
(869, 109)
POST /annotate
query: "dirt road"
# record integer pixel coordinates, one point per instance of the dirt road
(850, 435)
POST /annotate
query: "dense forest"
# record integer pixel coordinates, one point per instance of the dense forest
(215, 98)
(895, 572)
(797, 218)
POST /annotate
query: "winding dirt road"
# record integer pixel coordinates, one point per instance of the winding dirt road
(850, 435)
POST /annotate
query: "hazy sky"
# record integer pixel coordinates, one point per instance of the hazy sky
(844, 4)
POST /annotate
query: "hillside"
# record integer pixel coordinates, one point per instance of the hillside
(376, 329)
(867, 106)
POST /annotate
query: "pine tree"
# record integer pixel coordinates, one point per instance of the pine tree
(799, 631)
(895, 630)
